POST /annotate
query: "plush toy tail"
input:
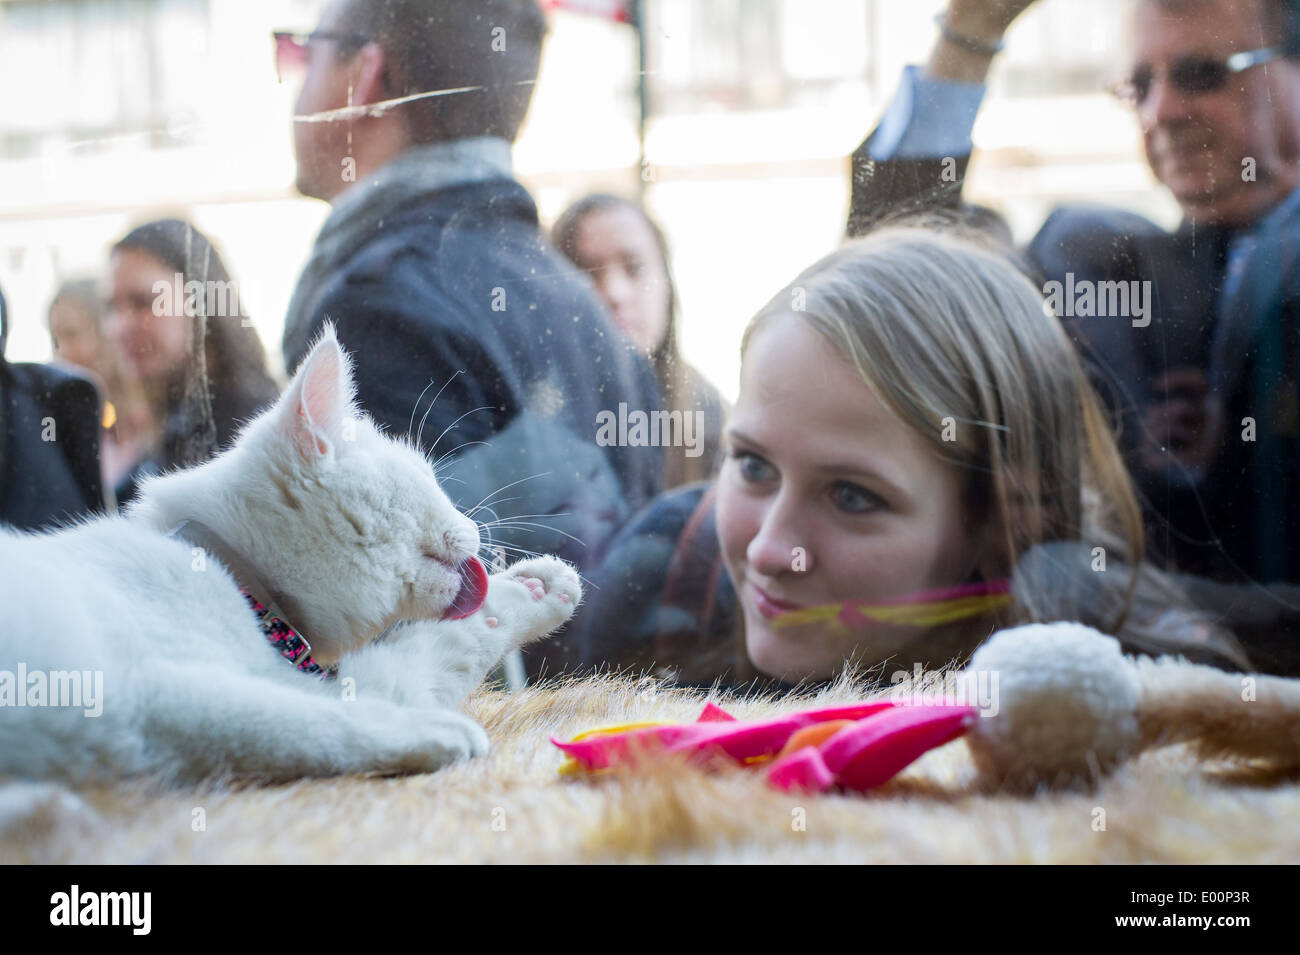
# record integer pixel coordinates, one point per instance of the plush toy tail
(1224, 714)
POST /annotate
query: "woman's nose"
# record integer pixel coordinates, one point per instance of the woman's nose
(779, 547)
(615, 287)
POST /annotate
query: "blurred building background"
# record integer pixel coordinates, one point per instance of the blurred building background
(122, 110)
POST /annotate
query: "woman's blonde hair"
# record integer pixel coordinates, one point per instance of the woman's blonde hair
(956, 342)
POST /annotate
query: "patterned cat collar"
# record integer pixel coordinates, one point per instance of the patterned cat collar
(286, 641)
(283, 637)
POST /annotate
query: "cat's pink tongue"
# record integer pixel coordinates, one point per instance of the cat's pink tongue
(473, 590)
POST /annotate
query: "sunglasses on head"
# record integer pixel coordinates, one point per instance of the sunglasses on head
(1193, 75)
(291, 48)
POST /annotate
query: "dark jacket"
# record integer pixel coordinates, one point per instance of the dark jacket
(1240, 519)
(49, 444)
(468, 329)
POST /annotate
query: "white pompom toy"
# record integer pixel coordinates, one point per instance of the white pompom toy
(1070, 705)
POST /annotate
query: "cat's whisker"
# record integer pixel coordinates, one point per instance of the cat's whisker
(528, 525)
(507, 487)
(490, 507)
(487, 508)
(500, 550)
(587, 582)
(525, 552)
(467, 444)
(498, 545)
(515, 517)
(520, 520)
(497, 560)
(416, 407)
(522, 551)
(450, 426)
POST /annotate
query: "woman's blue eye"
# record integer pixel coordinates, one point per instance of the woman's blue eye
(853, 499)
(752, 467)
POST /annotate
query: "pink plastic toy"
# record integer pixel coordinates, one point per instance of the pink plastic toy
(855, 747)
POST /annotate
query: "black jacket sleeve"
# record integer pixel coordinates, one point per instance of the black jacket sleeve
(890, 188)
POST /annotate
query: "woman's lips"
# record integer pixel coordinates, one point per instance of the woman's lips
(769, 606)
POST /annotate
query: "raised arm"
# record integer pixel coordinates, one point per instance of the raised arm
(916, 157)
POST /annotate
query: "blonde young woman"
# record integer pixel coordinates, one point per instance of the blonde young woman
(915, 460)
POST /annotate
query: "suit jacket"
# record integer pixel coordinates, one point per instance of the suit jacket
(1241, 518)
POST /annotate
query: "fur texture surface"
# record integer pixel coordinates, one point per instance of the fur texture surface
(1164, 806)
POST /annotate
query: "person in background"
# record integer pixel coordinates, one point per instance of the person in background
(467, 330)
(76, 329)
(49, 443)
(177, 320)
(78, 340)
(952, 474)
(1203, 383)
(625, 253)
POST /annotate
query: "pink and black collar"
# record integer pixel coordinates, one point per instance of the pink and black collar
(287, 640)
(284, 639)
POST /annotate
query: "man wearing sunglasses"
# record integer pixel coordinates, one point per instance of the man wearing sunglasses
(465, 327)
(1217, 95)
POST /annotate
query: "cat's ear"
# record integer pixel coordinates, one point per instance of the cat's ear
(318, 401)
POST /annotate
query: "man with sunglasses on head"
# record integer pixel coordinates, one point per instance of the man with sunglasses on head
(1217, 95)
(464, 326)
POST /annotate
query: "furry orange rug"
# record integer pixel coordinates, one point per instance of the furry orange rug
(512, 806)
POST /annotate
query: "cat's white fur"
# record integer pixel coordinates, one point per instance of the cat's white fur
(346, 522)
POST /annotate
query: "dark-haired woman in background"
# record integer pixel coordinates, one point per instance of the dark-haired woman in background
(614, 241)
(200, 363)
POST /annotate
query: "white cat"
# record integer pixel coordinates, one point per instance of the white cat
(343, 532)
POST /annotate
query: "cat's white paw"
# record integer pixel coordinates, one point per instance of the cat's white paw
(442, 737)
(476, 739)
(532, 598)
